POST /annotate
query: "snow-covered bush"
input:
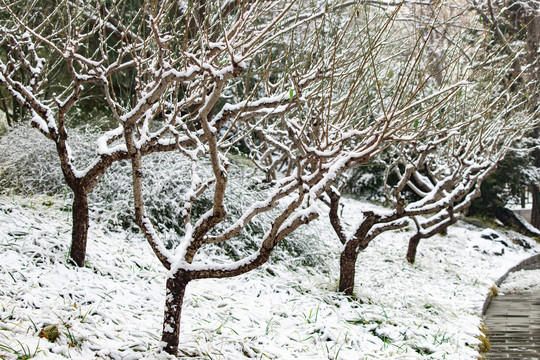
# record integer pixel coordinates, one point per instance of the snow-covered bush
(31, 169)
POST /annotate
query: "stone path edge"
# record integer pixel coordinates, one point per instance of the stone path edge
(521, 266)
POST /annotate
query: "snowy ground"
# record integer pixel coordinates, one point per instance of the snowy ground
(112, 309)
(521, 281)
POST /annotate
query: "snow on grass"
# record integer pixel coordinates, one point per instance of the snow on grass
(521, 281)
(112, 308)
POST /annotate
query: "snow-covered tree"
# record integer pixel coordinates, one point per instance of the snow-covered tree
(444, 169)
(312, 90)
(56, 59)
(453, 174)
(515, 25)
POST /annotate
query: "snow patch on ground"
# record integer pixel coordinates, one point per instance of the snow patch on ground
(112, 308)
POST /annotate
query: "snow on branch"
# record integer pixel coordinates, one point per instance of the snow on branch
(306, 92)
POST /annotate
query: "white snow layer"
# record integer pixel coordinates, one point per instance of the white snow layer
(521, 281)
(113, 308)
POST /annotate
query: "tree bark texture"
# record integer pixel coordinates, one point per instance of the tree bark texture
(347, 270)
(79, 234)
(173, 309)
(350, 252)
(535, 211)
(413, 246)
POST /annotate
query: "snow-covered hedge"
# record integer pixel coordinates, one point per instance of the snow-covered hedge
(29, 166)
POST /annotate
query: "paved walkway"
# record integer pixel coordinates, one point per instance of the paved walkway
(513, 321)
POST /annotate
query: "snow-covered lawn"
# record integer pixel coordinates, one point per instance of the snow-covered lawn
(288, 309)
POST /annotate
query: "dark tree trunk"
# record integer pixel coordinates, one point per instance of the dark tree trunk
(79, 233)
(413, 246)
(533, 188)
(508, 218)
(347, 270)
(535, 212)
(173, 310)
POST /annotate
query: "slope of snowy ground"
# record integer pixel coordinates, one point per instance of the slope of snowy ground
(112, 308)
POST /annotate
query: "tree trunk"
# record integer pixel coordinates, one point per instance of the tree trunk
(413, 245)
(535, 212)
(347, 270)
(173, 310)
(509, 218)
(79, 233)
